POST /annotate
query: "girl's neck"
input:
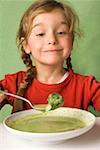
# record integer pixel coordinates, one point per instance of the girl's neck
(49, 74)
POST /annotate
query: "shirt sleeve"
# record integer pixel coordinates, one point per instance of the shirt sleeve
(94, 92)
(10, 83)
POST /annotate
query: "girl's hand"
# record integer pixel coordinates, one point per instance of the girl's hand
(2, 97)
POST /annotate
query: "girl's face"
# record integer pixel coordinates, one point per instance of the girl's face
(49, 41)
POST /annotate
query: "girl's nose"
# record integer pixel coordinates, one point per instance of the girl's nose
(52, 40)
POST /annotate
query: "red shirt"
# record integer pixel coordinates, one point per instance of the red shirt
(78, 91)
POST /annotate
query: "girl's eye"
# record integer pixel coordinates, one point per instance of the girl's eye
(61, 33)
(40, 34)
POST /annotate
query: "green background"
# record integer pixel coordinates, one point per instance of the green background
(86, 53)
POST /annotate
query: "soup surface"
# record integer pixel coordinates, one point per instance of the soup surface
(39, 123)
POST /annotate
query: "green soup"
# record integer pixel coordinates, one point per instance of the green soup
(39, 123)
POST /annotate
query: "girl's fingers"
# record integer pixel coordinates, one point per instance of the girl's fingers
(2, 97)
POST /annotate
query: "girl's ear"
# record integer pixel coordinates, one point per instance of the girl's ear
(25, 46)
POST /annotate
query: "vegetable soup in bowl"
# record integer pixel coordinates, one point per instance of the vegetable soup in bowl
(51, 126)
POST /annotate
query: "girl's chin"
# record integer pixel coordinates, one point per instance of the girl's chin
(52, 63)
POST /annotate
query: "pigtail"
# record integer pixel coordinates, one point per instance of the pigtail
(68, 63)
(30, 73)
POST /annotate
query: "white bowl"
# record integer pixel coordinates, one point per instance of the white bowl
(87, 117)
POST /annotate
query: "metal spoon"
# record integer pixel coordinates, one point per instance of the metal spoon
(40, 107)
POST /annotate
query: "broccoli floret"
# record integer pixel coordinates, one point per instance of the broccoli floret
(55, 100)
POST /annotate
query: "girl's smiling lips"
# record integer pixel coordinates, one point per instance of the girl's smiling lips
(53, 50)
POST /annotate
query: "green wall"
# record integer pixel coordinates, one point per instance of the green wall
(86, 54)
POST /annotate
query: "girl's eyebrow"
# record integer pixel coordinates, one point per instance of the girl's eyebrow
(38, 24)
(64, 22)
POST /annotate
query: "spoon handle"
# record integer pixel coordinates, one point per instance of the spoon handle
(16, 96)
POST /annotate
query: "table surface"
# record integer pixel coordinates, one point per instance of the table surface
(88, 141)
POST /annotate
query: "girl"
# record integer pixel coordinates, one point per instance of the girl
(46, 33)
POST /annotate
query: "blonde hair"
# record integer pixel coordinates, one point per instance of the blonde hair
(38, 7)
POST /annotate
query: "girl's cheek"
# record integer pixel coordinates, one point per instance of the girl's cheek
(67, 43)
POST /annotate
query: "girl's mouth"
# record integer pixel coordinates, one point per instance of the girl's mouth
(53, 50)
